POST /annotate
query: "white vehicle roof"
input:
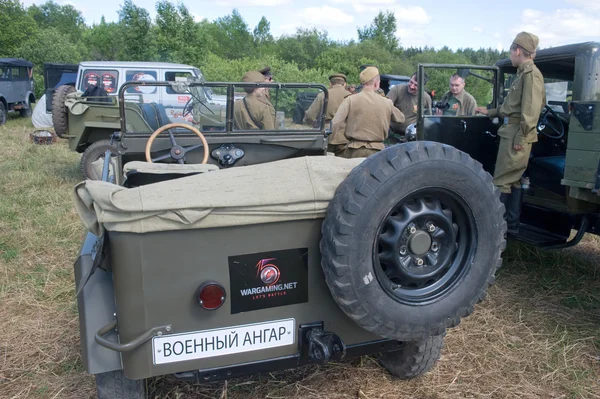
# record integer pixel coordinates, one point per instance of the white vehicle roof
(131, 64)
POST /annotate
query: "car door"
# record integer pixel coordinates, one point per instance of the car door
(474, 134)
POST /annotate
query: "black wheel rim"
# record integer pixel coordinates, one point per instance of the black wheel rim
(424, 246)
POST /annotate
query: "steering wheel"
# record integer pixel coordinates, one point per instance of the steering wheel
(543, 123)
(177, 152)
(188, 107)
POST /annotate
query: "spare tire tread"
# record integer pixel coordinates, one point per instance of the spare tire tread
(414, 359)
(342, 216)
(60, 114)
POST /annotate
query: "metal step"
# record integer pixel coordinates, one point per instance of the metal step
(538, 237)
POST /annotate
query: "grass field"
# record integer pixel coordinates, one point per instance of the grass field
(537, 335)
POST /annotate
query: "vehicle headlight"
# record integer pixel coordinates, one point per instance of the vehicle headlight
(411, 132)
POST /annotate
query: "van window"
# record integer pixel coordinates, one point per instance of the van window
(108, 78)
(175, 77)
(140, 75)
(17, 73)
(4, 72)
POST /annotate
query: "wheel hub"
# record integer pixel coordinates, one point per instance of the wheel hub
(419, 243)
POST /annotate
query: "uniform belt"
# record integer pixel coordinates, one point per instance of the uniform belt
(511, 120)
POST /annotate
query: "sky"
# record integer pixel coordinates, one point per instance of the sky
(468, 23)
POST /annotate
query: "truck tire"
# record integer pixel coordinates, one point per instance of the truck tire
(60, 114)
(414, 359)
(2, 113)
(93, 153)
(412, 239)
(114, 385)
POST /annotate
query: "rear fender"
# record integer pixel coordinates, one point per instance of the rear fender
(96, 307)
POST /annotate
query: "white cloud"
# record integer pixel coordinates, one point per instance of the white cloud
(247, 3)
(414, 37)
(497, 35)
(411, 15)
(562, 26)
(365, 5)
(589, 5)
(477, 29)
(323, 17)
(197, 17)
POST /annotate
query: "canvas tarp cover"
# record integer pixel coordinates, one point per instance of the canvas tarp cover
(291, 189)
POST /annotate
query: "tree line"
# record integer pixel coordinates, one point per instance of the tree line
(223, 49)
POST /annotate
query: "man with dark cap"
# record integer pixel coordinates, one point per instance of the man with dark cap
(519, 113)
(254, 111)
(336, 94)
(406, 97)
(366, 117)
(268, 78)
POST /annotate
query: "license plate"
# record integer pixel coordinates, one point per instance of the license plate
(223, 341)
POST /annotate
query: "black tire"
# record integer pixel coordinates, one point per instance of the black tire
(94, 152)
(25, 113)
(414, 359)
(60, 114)
(379, 218)
(2, 114)
(114, 385)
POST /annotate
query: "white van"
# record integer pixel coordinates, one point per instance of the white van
(112, 74)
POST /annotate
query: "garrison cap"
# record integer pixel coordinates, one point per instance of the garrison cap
(368, 73)
(253, 76)
(266, 71)
(528, 41)
(363, 66)
(338, 75)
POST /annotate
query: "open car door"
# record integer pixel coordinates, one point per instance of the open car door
(474, 134)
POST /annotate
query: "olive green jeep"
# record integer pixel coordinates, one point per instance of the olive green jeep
(562, 182)
(222, 253)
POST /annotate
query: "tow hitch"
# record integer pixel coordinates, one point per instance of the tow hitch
(323, 346)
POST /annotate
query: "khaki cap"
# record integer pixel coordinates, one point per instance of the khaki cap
(528, 41)
(368, 74)
(337, 75)
(253, 76)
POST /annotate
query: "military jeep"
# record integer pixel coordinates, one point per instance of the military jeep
(562, 181)
(216, 254)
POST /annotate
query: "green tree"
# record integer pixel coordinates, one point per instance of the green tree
(65, 18)
(233, 37)
(382, 30)
(262, 32)
(15, 27)
(304, 47)
(135, 23)
(174, 26)
(103, 41)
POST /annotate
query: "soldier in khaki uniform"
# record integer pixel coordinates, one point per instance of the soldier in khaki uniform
(520, 113)
(254, 111)
(405, 97)
(336, 94)
(367, 117)
(457, 102)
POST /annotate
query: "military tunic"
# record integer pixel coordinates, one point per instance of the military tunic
(367, 116)
(336, 95)
(263, 113)
(462, 104)
(519, 113)
(407, 104)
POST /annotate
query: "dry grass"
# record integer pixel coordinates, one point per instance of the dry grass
(536, 336)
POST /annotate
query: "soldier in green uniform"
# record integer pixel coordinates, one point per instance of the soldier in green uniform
(366, 118)
(405, 98)
(457, 102)
(254, 111)
(519, 113)
(336, 94)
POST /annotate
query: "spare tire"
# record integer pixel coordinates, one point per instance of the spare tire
(412, 240)
(60, 114)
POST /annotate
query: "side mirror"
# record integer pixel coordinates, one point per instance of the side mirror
(411, 132)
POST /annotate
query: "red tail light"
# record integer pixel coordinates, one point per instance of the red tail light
(211, 295)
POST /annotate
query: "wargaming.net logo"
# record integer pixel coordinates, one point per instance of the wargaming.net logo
(268, 272)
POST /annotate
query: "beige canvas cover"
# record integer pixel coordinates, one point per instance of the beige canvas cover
(291, 189)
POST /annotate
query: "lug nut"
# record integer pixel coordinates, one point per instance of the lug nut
(412, 229)
(403, 250)
(434, 247)
(431, 227)
(419, 262)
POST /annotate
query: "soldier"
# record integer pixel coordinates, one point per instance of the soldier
(405, 98)
(457, 102)
(519, 112)
(336, 94)
(268, 78)
(254, 111)
(366, 116)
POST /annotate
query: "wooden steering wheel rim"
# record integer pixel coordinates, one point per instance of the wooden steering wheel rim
(170, 126)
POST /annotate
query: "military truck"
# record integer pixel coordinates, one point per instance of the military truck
(16, 87)
(562, 181)
(217, 254)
